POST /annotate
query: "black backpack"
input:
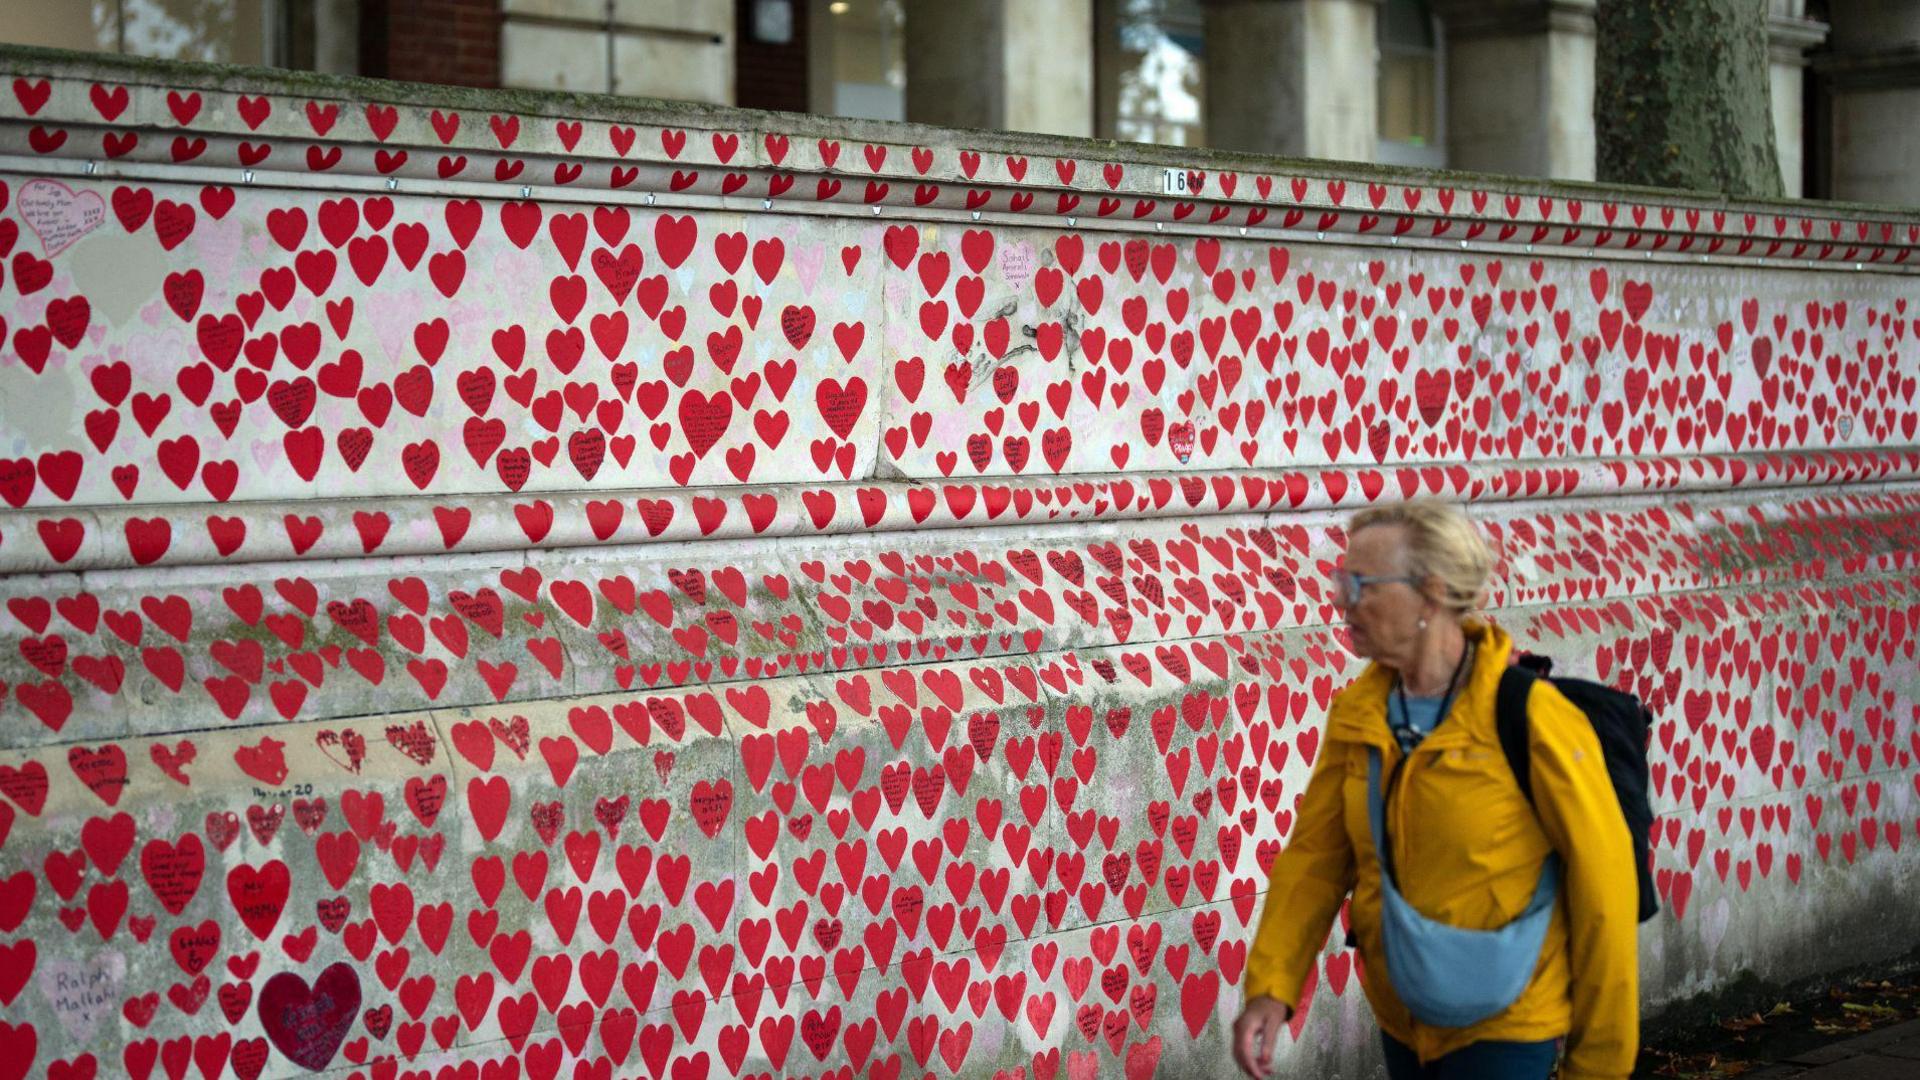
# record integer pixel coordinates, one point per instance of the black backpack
(1622, 724)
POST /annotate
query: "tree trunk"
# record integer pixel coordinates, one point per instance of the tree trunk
(1682, 95)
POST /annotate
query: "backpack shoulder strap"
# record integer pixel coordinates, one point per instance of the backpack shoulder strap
(1510, 713)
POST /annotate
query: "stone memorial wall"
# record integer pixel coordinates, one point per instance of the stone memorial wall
(501, 585)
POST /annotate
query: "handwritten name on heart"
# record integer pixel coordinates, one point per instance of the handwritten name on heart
(59, 215)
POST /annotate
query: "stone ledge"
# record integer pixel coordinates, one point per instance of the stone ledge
(489, 521)
(25, 60)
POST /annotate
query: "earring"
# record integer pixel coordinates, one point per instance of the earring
(1423, 624)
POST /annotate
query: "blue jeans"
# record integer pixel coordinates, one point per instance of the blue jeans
(1478, 1061)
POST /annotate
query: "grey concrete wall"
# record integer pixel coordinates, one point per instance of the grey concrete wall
(668, 590)
(1872, 69)
(1869, 25)
(1867, 123)
(682, 49)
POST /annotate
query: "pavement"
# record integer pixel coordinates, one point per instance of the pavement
(1891, 1053)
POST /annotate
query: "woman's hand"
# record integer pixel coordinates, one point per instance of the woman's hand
(1257, 1032)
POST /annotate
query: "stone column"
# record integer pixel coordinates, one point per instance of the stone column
(1790, 34)
(1519, 86)
(1872, 70)
(1294, 77)
(1006, 64)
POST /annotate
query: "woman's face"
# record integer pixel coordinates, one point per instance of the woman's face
(1385, 622)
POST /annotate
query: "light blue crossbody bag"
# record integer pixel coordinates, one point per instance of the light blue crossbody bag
(1448, 976)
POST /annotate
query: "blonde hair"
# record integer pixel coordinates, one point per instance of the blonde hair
(1442, 543)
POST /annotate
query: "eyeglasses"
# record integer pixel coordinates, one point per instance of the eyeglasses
(1348, 586)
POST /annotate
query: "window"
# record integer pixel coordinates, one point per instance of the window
(220, 31)
(1149, 61)
(1411, 85)
(860, 60)
(306, 34)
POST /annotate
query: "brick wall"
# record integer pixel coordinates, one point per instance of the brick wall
(434, 41)
(770, 76)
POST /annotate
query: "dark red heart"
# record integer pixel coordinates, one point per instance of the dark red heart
(307, 1024)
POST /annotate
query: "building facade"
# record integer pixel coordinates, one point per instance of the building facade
(1501, 86)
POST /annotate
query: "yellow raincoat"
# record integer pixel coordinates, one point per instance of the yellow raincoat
(1468, 851)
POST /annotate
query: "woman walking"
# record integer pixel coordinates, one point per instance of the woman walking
(1412, 770)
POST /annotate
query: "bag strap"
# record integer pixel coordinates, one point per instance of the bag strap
(1510, 714)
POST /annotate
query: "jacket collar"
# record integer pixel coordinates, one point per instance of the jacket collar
(1359, 712)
